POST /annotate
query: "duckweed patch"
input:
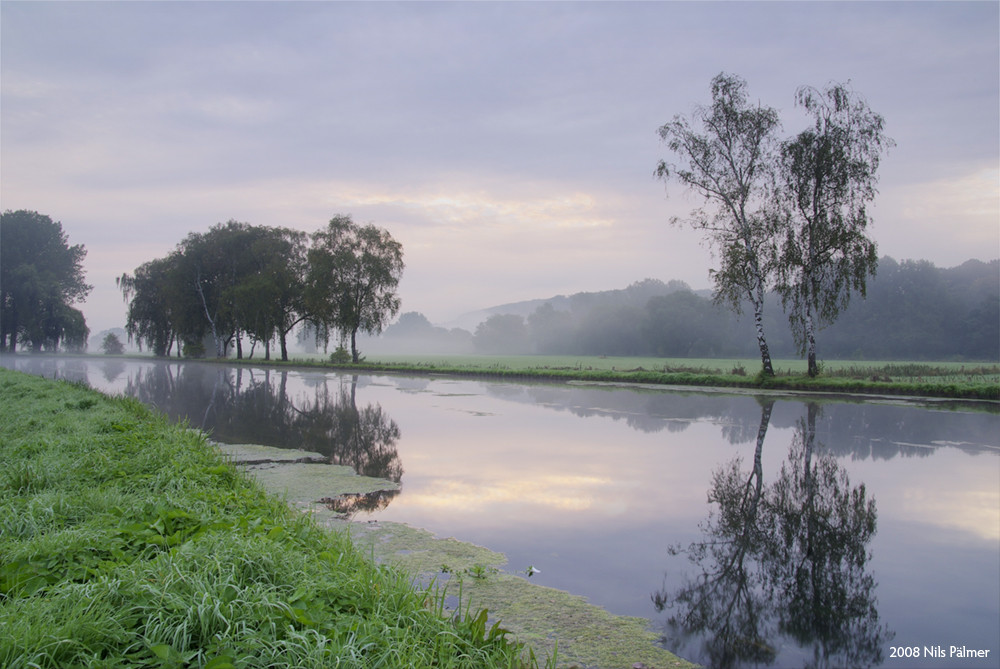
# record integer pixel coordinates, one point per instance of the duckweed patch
(300, 476)
(553, 622)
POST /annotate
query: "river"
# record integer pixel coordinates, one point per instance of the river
(751, 530)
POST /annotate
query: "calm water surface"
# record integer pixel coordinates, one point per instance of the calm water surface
(750, 530)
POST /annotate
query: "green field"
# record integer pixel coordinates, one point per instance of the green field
(899, 370)
(926, 379)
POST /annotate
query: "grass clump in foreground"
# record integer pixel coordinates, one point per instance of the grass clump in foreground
(126, 541)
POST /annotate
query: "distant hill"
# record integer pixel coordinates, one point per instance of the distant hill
(637, 293)
(912, 311)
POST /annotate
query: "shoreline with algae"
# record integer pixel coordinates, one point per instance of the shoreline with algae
(581, 634)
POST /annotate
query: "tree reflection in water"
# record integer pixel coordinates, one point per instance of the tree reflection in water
(363, 439)
(783, 560)
(246, 407)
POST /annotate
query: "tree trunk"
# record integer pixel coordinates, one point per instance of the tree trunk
(219, 350)
(758, 466)
(284, 348)
(811, 344)
(758, 322)
(12, 330)
(354, 345)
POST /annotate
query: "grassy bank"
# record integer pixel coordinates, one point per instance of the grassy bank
(126, 541)
(967, 381)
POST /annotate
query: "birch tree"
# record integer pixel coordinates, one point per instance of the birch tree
(352, 278)
(827, 177)
(725, 154)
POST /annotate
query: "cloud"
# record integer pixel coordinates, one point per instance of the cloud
(974, 510)
(510, 146)
(561, 492)
(964, 208)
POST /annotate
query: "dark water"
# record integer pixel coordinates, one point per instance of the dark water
(750, 530)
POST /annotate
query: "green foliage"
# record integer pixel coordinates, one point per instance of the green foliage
(194, 349)
(41, 276)
(239, 280)
(827, 177)
(235, 279)
(727, 159)
(112, 345)
(912, 311)
(351, 281)
(159, 307)
(340, 356)
(128, 542)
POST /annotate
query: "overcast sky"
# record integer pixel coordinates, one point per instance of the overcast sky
(510, 147)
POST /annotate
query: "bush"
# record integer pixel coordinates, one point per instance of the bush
(112, 345)
(341, 356)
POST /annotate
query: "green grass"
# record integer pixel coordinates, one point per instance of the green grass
(970, 381)
(126, 541)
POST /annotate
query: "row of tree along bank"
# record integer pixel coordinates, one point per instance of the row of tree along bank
(239, 280)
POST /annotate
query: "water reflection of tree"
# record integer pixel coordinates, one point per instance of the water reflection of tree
(788, 559)
(250, 406)
(364, 439)
(858, 429)
(112, 369)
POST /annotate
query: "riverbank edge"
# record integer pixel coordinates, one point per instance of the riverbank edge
(986, 394)
(689, 381)
(127, 540)
(32, 574)
(553, 622)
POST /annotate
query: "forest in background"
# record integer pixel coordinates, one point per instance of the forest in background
(913, 310)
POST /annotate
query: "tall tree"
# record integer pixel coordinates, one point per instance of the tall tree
(217, 263)
(41, 275)
(352, 278)
(161, 309)
(827, 177)
(275, 300)
(727, 158)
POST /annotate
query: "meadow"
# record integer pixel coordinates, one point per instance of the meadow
(959, 380)
(128, 541)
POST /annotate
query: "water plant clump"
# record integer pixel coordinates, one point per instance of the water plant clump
(130, 542)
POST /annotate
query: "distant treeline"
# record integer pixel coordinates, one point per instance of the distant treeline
(913, 310)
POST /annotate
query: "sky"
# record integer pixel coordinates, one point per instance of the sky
(509, 146)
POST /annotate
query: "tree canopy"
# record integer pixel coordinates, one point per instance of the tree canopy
(352, 278)
(784, 214)
(827, 177)
(41, 276)
(239, 280)
(725, 155)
